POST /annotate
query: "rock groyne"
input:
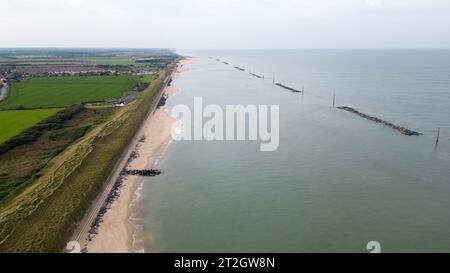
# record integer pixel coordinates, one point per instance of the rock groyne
(402, 130)
(256, 75)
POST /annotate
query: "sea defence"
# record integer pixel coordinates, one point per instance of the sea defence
(151, 172)
(402, 130)
(288, 88)
(262, 77)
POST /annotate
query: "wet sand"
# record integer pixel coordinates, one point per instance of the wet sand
(119, 229)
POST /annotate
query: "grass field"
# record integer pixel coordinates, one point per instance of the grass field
(14, 122)
(64, 91)
(21, 165)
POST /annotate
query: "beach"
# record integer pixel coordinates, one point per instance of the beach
(119, 229)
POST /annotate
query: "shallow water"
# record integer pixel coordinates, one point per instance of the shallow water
(337, 180)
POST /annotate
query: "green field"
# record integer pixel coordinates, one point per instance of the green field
(14, 122)
(64, 91)
(147, 78)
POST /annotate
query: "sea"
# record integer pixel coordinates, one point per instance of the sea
(336, 182)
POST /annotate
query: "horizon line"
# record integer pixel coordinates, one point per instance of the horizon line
(175, 49)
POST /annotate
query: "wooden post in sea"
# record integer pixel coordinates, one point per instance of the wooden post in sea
(334, 100)
(438, 135)
(273, 81)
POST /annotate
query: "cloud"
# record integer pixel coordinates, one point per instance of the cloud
(226, 23)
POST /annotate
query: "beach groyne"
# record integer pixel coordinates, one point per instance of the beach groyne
(262, 77)
(256, 75)
(162, 101)
(151, 172)
(402, 130)
(288, 88)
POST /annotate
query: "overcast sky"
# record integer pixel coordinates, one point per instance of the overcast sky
(225, 24)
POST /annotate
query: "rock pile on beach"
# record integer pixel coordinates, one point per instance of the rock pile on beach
(402, 130)
(112, 196)
(133, 156)
(151, 172)
(256, 75)
(162, 101)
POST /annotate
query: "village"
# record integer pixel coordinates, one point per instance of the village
(14, 67)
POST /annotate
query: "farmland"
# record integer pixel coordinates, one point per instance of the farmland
(45, 220)
(99, 57)
(20, 163)
(14, 122)
(45, 92)
(107, 61)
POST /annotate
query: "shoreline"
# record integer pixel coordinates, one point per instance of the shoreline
(120, 229)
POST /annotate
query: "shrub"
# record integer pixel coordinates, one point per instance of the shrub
(31, 134)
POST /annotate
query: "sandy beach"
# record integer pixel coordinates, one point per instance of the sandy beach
(118, 230)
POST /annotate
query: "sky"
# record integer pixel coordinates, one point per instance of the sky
(226, 24)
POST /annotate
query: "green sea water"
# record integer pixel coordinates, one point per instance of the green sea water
(337, 180)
